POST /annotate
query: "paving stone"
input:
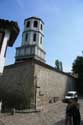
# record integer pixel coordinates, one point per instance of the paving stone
(55, 115)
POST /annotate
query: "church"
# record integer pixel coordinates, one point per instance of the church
(30, 83)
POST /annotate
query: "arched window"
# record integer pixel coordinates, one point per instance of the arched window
(28, 24)
(35, 24)
(34, 37)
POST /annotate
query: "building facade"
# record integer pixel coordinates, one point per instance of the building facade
(33, 84)
(30, 82)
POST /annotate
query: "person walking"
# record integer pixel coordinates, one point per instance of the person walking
(69, 118)
(72, 113)
(76, 113)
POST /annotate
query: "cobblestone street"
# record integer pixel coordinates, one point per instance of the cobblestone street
(54, 114)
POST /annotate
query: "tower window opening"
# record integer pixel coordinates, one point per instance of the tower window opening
(35, 24)
(26, 37)
(34, 37)
(28, 24)
(41, 40)
(41, 27)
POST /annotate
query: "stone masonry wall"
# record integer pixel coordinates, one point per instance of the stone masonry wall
(33, 84)
(17, 83)
(51, 85)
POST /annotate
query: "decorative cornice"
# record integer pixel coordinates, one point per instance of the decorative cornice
(33, 31)
(34, 17)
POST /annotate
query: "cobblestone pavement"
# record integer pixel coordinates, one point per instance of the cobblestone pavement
(54, 114)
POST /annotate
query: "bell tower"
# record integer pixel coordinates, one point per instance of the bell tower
(32, 45)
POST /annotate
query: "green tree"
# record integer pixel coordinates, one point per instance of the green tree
(61, 67)
(77, 67)
(58, 65)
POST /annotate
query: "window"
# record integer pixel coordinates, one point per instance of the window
(35, 24)
(41, 40)
(41, 27)
(28, 24)
(34, 37)
(26, 37)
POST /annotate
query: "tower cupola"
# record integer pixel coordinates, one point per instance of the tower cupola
(32, 45)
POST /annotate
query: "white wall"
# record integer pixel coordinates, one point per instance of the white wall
(3, 49)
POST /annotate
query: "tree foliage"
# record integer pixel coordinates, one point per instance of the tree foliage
(58, 65)
(77, 67)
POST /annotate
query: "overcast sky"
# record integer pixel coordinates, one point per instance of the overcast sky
(63, 27)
